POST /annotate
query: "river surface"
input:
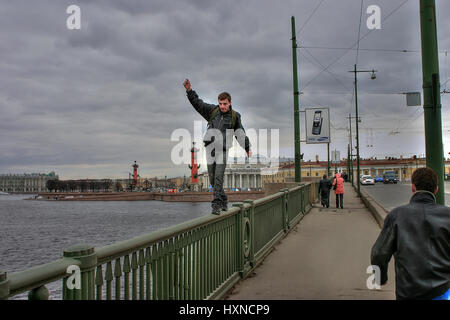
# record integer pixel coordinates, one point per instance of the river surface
(37, 232)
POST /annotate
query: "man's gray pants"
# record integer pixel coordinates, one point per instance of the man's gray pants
(216, 173)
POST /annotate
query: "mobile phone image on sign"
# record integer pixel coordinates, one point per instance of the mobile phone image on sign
(317, 123)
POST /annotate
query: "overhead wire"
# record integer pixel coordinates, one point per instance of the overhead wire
(359, 32)
(328, 71)
(353, 45)
(325, 68)
(361, 49)
(310, 16)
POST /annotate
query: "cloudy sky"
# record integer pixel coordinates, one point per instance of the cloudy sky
(89, 102)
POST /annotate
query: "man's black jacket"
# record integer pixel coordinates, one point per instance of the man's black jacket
(324, 187)
(418, 235)
(222, 121)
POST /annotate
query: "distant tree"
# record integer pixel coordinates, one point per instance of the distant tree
(72, 185)
(118, 186)
(83, 185)
(61, 186)
(51, 184)
(106, 185)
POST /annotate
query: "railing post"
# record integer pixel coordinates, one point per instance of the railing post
(301, 206)
(239, 238)
(244, 242)
(88, 261)
(40, 293)
(284, 208)
(251, 216)
(4, 285)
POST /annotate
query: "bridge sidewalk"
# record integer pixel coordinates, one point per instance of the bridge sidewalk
(325, 256)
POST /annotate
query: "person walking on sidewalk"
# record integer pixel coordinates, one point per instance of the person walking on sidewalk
(221, 120)
(324, 190)
(338, 186)
(418, 235)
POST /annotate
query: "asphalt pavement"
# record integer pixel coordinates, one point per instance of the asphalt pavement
(390, 196)
(324, 257)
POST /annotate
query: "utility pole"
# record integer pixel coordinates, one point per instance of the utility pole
(328, 167)
(357, 133)
(348, 161)
(431, 94)
(357, 120)
(351, 147)
(298, 176)
(335, 161)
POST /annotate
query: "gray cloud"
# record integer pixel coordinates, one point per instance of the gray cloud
(89, 102)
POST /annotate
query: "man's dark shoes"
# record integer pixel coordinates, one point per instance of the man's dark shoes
(216, 211)
(224, 207)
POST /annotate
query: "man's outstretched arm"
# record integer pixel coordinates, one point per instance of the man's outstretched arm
(203, 108)
(241, 136)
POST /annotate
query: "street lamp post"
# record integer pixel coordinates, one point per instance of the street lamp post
(298, 158)
(432, 107)
(373, 77)
(335, 160)
(328, 163)
(310, 173)
(351, 146)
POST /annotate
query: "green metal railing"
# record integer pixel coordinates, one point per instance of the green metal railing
(199, 259)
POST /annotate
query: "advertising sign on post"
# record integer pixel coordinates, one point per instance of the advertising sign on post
(317, 122)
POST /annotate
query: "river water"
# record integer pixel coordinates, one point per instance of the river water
(37, 232)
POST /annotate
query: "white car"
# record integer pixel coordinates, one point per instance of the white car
(365, 179)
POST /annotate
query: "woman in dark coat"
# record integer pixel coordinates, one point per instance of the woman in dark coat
(324, 190)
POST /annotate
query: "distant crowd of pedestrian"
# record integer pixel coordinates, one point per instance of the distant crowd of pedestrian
(337, 184)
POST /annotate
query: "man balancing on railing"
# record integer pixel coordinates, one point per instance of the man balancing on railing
(223, 124)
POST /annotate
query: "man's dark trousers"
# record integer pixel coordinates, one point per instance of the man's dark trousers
(216, 171)
(325, 199)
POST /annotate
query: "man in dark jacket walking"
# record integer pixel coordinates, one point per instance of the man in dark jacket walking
(418, 235)
(222, 120)
(324, 190)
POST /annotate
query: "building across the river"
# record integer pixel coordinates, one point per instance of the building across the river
(27, 182)
(248, 175)
(311, 170)
(240, 174)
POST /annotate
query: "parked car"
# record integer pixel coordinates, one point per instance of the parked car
(378, 179)
(390, 177)
(367, 180)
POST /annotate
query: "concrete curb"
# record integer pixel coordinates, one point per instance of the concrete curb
(378, 212)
